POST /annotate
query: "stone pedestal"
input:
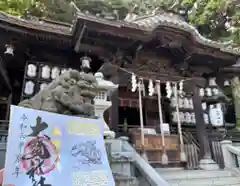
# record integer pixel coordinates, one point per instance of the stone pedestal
(100, 107)
(101, 102)
(208, 164)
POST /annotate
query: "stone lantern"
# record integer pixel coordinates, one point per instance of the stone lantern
(101, 103)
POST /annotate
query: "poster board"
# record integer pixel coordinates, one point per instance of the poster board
(47, 149)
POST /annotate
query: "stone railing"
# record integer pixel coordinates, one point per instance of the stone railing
(3, 147)
(231, 155)
(3, 141)
(3, 131)
(147, 173)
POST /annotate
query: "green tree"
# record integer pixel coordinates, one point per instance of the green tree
(15, 7)
(59, 10)
(21, 7)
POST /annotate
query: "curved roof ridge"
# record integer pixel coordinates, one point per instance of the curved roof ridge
(138, 18)
(153, 21)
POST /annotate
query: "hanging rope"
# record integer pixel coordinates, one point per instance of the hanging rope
(144, 78)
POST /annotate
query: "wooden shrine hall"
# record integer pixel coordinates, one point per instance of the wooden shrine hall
(160, 46)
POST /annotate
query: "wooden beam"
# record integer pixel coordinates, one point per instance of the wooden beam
(124, 32)
(230, 70)
(36, 33)
(78, 43)
(102, 52)
(215, 53)
(3, 73)
(111, 43)
(155, 76)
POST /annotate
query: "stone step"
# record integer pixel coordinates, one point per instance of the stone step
(169, 169)
(143, 182)
(121, 163)
(192, 174)
(123, 180)
(225, 181)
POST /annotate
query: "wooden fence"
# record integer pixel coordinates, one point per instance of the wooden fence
(217, 155)
(191, 151)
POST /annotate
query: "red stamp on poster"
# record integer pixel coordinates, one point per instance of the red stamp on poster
(39, 155)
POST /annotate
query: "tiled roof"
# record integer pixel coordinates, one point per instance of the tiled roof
(116, 23)
(146, 23)
(153, 21)
(36, 25)
(149, 23)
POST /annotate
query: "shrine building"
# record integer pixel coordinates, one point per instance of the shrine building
(160, 46)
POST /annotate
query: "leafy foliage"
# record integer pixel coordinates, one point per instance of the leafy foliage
(14, 7)
(215, 19)
(20, 7)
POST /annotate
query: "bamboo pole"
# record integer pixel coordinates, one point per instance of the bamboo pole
(182, 152)
(164, 155)
(143, 153)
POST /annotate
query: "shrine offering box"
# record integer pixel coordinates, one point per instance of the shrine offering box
(154, 149)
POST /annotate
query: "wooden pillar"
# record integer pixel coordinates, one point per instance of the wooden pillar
(4, 75)
(114, 110)
(206, 162)
(200, 125)
(114, 115)
(194, 86)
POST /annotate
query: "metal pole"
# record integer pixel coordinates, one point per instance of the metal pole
(164, 155)
(182, 153)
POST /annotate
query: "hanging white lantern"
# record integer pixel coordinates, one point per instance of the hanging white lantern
(215, 91)
(168, 89)
(206, 118)
(201, 92)
(85, 62)
(150, 88)
(46, 71)
(64, 70)
(31, 70)
(226, 83)
(191, 103)
(55, 72)
(208, 92)
(29, 88)
(212, 81)
(193, 118)
(43, 86)
(134, 82)
(9, 50)
(216, 115)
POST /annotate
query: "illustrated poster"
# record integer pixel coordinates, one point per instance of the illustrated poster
(47, 149)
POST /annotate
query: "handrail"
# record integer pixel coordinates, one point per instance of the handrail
(147, 171)
(234, 150)
(134, 126)
(230, 154)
